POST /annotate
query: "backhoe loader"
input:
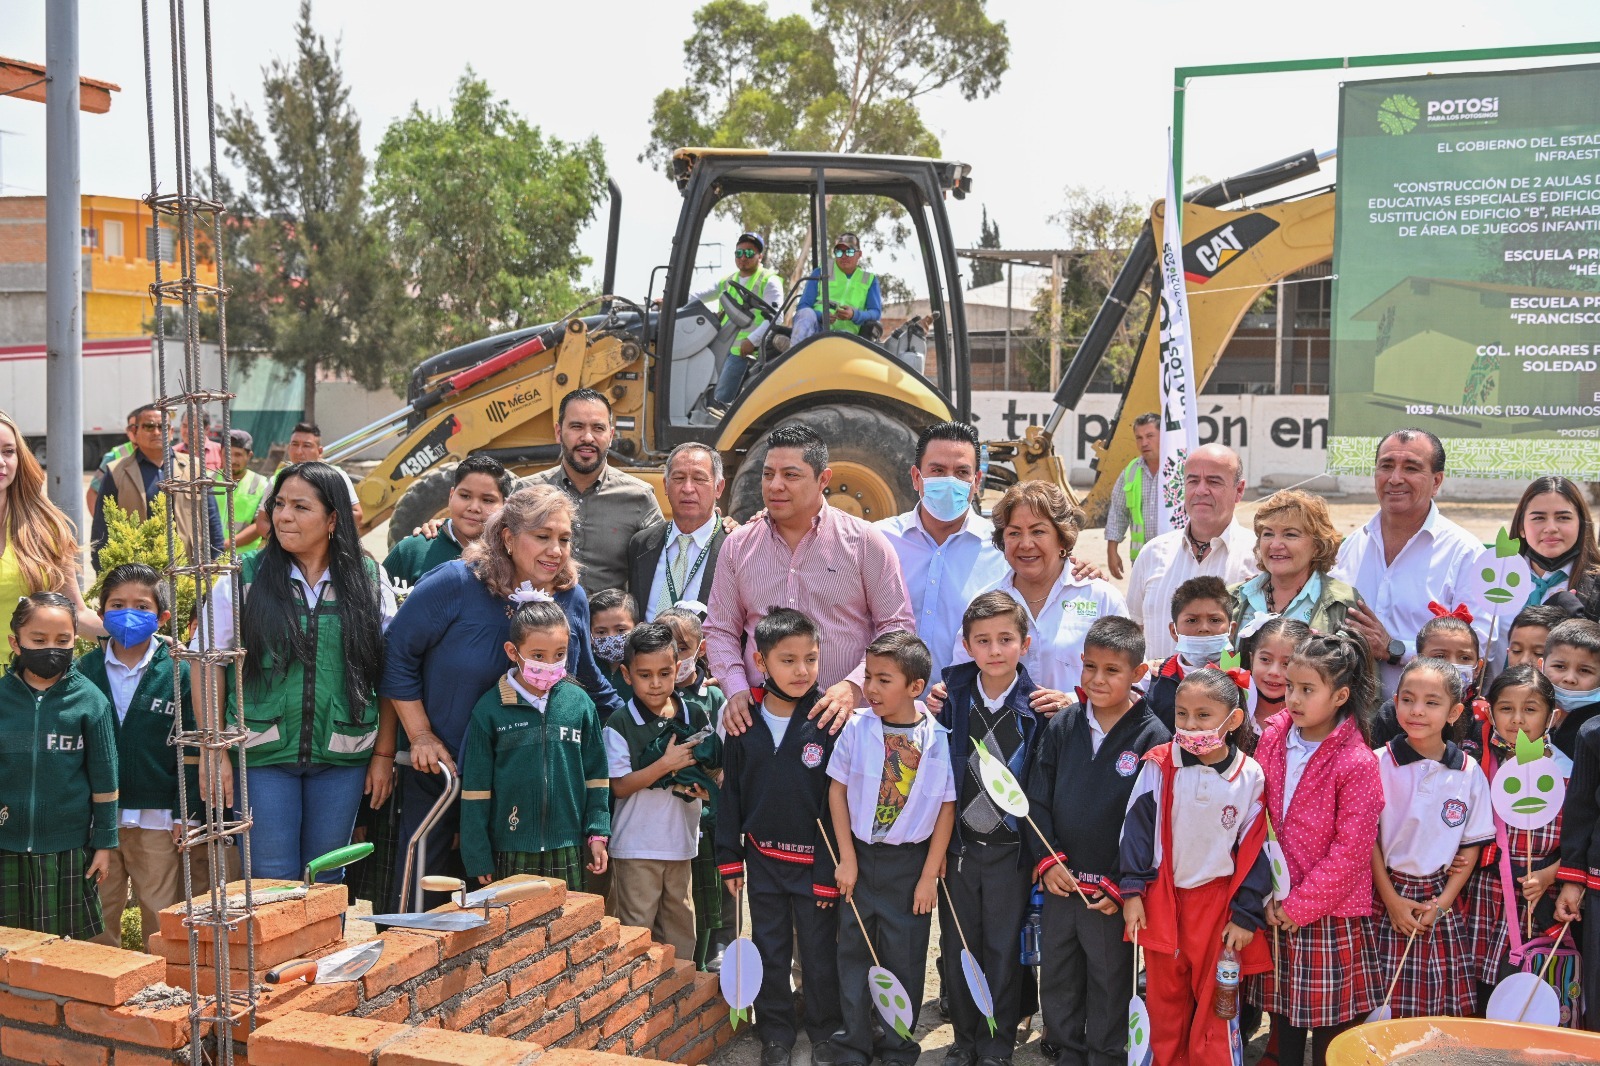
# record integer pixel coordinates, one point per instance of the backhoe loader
(868, 397)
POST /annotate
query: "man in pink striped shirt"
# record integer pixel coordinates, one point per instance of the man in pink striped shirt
(803, 554)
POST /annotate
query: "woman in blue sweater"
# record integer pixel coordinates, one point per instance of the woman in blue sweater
(445, 648)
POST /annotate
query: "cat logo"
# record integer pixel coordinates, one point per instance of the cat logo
(62, 742)
(1206, 255)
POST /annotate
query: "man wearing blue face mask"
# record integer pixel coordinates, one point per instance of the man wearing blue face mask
(946, 549)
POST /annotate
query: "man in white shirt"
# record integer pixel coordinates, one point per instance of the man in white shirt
(1212, 545)
(946, 549)
(1407, 555)
(675, 560)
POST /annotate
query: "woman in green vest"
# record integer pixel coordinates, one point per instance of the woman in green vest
(1296, 546)
(38, 552)
(311, 624)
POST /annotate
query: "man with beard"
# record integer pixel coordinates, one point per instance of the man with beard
(612, 506)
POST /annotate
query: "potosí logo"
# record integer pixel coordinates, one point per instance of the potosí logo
(1472, 109)
(1398, 114)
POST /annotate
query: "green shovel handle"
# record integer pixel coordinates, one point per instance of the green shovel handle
(336, 858)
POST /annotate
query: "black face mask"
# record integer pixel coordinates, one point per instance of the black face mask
(772, 686)
(47, 663)
(1549, 565)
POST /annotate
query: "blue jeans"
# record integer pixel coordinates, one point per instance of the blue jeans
(301, 812)
(734, 368)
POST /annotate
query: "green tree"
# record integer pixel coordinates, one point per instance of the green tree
(1101, 228)
(987, 271)
(484, 213)
(311, 281)
(132, 540)
(850, 78)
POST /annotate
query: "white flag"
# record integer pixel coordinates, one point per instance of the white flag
(1179, 418)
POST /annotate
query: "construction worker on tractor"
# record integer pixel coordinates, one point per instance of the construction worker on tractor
(1132, 510)
(748, 254)
(855, 304)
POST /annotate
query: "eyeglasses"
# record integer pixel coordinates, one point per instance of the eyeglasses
(745, 253)
(842, 252)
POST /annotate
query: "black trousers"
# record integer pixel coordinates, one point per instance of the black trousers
(989, 886)
(1591, 961)
(783, 914)
(1085, 979)
(886, 886)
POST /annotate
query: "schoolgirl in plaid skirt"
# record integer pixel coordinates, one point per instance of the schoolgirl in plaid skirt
(1323, 798)
(1520, 700)
(1436, 819)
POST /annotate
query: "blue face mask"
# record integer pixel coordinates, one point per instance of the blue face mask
(946, 498)
(130, 626)
(1570, 699)
(1202, 649)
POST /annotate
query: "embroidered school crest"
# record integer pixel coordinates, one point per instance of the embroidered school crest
(811, 756)
(1230, 816)
(1127, 762)
(1454, 812)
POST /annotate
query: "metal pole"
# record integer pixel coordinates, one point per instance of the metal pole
(1277, 349)
(1010, 272)
(63, 264)
(1055, 319)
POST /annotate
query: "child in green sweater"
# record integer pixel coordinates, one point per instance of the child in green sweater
(58, 777)
(135, 669)
(613, 614)
(535, 793)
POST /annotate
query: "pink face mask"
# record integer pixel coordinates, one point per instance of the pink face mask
(1199, 742)
(542, 677)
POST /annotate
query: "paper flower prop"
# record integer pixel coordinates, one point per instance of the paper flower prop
(978, 985)
(1003, 788)
(1527, 790)
(1138, 1032)
(890, 997)
(1500, 582)
(1280, 867)
(740, 979)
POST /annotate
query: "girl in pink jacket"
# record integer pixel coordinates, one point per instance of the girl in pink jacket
(1323, 797)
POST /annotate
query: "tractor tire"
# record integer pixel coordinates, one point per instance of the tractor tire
(428, 497)
(871, 453)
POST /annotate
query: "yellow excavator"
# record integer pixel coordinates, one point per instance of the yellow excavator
(868, 395)
(1230, 257)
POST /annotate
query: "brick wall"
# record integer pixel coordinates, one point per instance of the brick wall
(552, 972)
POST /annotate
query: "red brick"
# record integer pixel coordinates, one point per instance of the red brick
(302, 1039)
(277, 1001)
(398, 1011)
(656, 1024)
(567, 1057)
(632, 941)
(581, 951)
(270, 920)
(574, 984)
(129, 1057)
(519, 946)
(644, 971)
(624, 1015)
(448, 983)
(515, 1019)
(308, 941)
(405, 956)
(583, 1040)
(165, 1028)
(536, 974)
(555, 1029)
(14, 940)
(697, 1052)
(28, 1009)
(474, 1006)
(673, 983)
(582, 911)
(674, 1042)
(19, 1045)
(713, 1017)
(453, 944)
(706, 989)
(601, 1000)
(94, 972)
(523, 911)
(421, 1047)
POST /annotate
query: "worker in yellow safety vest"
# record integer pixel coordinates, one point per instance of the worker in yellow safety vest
(854, 299)
(1133, 498)
(753, 275)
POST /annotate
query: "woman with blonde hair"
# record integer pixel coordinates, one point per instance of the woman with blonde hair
(38, 552)
(1296, 546)
(447, 645)
(1035, 528)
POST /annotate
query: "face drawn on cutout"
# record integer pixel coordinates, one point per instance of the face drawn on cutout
(1528, 789)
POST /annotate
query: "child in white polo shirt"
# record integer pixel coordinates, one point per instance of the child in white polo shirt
(1436, 808)
(893, 805)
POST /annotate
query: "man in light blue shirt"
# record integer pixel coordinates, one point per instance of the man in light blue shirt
(946, 549)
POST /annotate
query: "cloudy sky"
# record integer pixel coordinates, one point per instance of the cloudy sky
(1087, 99)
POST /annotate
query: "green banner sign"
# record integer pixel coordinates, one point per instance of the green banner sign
(1467, 258)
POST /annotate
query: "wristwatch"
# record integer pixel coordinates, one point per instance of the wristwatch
(1397, 648)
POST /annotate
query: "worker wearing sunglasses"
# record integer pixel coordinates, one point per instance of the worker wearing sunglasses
(854, 299)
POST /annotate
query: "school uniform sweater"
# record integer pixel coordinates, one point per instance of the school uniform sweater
(1565, 735)
(961, 684)
(147, 765)
(772, 798)
(58, 766)
(414, 556)
(1580, 814)
(1079, 797)
(1161, 690)
(532, 780)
